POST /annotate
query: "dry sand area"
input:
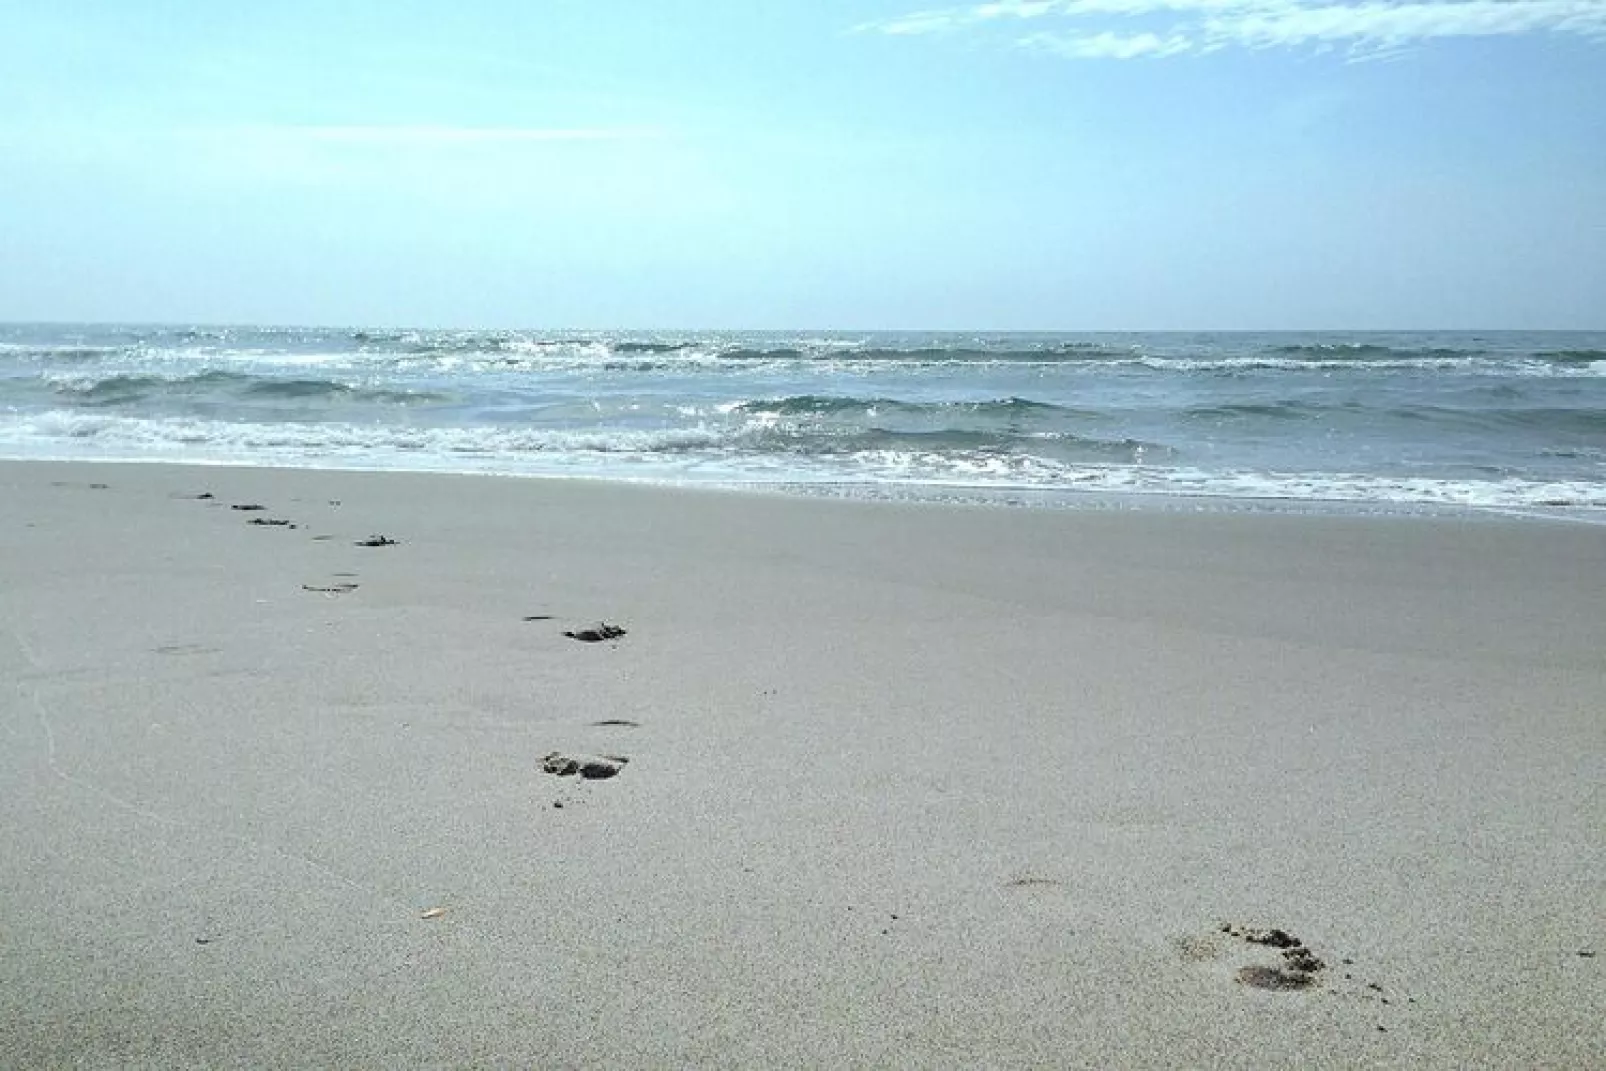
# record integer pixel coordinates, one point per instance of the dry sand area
(858, 785)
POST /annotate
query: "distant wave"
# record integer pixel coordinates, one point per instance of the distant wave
(918, 355)
(1573, 356)
(129, 389)
(651, 347)
(1554, 419)
(1370, 356)
(1363, 350)
(747, 361)
(324, 388)
(119, 389)
(1445, 361)
(66, 353)
(1551, 419)
(1544, 420)
(828, 404)
(380, 352)
(1253, 410)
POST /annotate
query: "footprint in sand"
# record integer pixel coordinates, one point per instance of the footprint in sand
(590, 768)
(1288, 964)
(1298, 968)
(603, 631)
(1031, 881)
(343, 587)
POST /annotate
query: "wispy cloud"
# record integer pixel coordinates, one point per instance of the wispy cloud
(1130, 29)
(946, 19)
(1108, 45)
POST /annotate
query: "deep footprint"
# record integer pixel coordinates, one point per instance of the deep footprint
(603, 631)
(599, 768)
(1275, 978)
(1298, 970)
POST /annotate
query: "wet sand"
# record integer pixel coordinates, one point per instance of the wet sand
(858, 784)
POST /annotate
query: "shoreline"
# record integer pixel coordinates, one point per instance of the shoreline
(906, 784)
(941, 495)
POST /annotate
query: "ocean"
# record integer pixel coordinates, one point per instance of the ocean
(1488, 421)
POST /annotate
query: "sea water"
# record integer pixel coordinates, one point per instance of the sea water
(1493, 420)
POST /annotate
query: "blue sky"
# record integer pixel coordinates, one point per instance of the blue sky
(1087, 164)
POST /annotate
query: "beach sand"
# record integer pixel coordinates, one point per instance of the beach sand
(907, 786)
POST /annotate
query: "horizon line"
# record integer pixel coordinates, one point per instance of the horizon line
(357, 326)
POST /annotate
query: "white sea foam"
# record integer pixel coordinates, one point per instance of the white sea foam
(1475, 366)
(709, 454)
(318, 439)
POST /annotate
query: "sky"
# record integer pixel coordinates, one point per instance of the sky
(1017, 164)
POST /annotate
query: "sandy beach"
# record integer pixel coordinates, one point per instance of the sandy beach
(875, 785)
